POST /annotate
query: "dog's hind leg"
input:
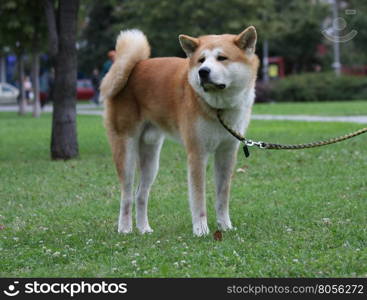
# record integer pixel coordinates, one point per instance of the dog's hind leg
(224, 161)
(124, 151)
(150, 145)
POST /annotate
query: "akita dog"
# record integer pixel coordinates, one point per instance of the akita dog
(148, 99)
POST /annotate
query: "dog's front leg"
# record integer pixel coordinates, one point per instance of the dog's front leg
(224, 161)
(196, 179)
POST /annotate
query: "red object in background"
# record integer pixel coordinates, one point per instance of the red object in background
(355, 70)
(278, 60)
(321, 50)
(84, 89)
(43, 97)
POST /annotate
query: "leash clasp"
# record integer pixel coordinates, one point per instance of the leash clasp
(251, 143)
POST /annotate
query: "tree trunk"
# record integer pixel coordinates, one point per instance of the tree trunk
(64, 144)
(22, 100)
(36, 85)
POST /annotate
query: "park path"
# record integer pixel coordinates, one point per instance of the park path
(308, 118)
(91, 109)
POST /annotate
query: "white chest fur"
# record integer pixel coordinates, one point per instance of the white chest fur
(212, 134)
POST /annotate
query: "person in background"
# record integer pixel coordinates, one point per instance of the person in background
(27, 85)
(107, 65)
(95, 82)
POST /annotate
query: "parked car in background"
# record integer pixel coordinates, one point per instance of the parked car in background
(84, 89)
(84, 92)
(8, 93)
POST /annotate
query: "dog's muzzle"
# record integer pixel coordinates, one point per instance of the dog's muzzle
(206, 83)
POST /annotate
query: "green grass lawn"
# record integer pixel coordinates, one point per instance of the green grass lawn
(336, 108)
(300, 213)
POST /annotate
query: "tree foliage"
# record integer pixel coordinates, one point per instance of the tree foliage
(22, 25)
(164, 20)
(291, 26)
(298, 43)
(23, 30)
(98, 33)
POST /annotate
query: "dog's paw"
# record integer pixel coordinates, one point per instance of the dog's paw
(125, 229)
(145, 229)
(125, 224)
(201, 228)
(225, 225)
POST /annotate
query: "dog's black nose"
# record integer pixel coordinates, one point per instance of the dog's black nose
(204, 72)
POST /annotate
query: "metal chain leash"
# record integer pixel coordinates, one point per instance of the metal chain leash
(272, 146)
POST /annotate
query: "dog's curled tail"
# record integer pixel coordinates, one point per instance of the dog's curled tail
(131, 47)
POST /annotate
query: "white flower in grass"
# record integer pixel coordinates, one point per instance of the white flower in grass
(175, 264)
(15, 238)
(346, 244)
(90, 241)
(133, 262)
(326, 221)
(56, 254)
(145, 272)
(137, 254)
(158, 242)
(295, 260)
(288, 229)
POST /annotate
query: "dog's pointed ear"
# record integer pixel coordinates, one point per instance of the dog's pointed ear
(246, 40)
(188, 44)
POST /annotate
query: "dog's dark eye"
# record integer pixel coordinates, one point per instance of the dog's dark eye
(201, 60)
(221, 58)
